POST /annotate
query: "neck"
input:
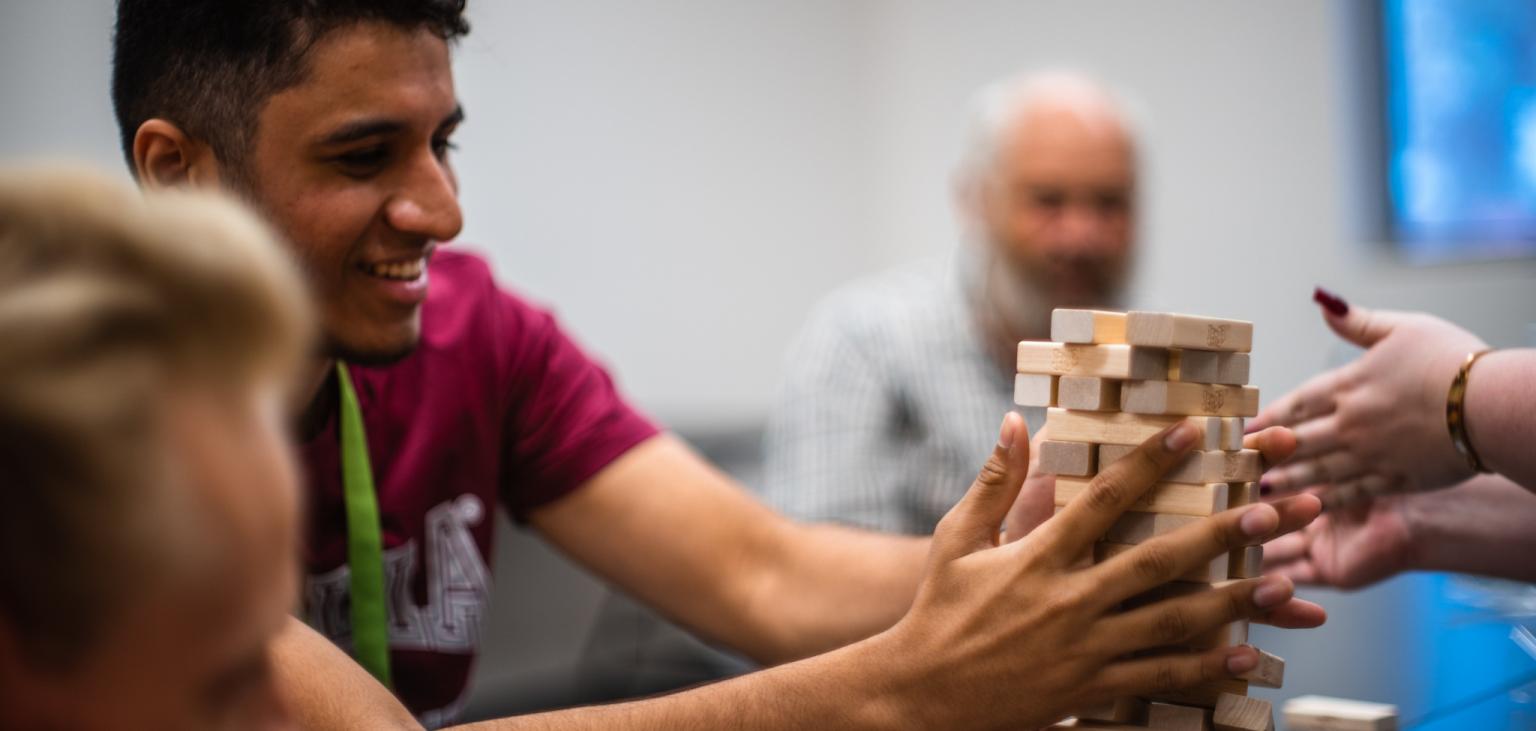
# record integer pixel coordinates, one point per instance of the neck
(313, 406)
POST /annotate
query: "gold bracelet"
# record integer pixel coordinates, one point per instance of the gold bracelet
(1456, 412)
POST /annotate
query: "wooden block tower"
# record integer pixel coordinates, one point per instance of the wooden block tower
(1110, 380)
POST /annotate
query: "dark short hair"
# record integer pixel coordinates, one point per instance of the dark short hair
(209, 65)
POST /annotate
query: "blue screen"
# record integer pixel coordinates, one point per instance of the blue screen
(1461, 125)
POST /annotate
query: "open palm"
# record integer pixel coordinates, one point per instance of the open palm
(1347, 548)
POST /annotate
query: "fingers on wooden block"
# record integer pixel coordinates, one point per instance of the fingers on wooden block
(1241, 713)
(1246, 562)
(1120, 710)
(1208, 366)
(1173, 717)
(1136, 527)
(1216, 570)
(1321, 713)
(1034, 389)
(1087, 326)
(1089, 393)
(1114, 427)
(1199, 468)
(1164, 497)
(1169, 330)
(1105, 361)
(1067, 458)
(1270, 672)
(1226, 635)
(1190, 399)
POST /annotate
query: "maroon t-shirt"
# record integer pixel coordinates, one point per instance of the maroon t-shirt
(496, 404)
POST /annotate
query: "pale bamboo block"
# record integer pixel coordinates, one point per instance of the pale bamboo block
(1241, 713)
(1034, 389)
(1209, 366)
(1199, 467)
(1120, 710)
(1087, 326)
(1173, 717)
(1168, 497)
(1270, 672)
(1120, 428)
(1188, 399)
(1170, 330)
(1215, 570)
(1088, 393)
(1205, 694)
(1321, 713)
(1247, 562)
(1106, 361)
(1135, 527)
(1067, 458)
(1232, 433)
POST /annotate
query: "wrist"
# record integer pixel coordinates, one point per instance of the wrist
(1456, 418)
(882, 698)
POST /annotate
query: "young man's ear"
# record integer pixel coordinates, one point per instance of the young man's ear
(165, 156)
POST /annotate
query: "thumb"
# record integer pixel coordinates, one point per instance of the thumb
(1355, 324)
(972, 524)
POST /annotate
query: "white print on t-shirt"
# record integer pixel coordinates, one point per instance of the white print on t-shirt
(458, 587)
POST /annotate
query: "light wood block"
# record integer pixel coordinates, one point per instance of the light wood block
(1120, 428)
(1067, 458)
(1247, 562)
(1205, 694)
(1216, 570)
(1170, 330)
(1241, 493)
(1199, 467)
(1189, 399)
(1087, 326)
(1270, 672)
(1105, 361)
(1241, 713)
(1166, 497)
(1321, 713)
(1208, 366)
(1088, 393)
(1137, 527)
(1172, 717)
(1120, 710)
(1034, 389)
(1232, 433)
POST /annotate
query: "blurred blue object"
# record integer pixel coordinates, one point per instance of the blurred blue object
(1460, 93)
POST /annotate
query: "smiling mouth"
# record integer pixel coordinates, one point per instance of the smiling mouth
(399, 271)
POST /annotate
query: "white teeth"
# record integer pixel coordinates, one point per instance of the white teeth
(404, 271)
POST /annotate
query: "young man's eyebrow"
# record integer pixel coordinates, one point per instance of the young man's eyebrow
(361, 129)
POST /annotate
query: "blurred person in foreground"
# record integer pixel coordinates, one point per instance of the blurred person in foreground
(893, 385)
(149, 536)
(1425, 447)
(428, 406)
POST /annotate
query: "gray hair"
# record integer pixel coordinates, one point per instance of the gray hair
(997, 107)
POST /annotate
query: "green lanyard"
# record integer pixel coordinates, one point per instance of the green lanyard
(365, 541)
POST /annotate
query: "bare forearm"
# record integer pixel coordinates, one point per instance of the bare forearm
(839, 690)
(835, 585)
(326, 691)
(1501, 413)
(1483, 526)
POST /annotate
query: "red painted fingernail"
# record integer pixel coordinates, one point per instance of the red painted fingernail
(1334, 304)
(1264, 488)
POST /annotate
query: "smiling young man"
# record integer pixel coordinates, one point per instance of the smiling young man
(439, 395)
(149, 535)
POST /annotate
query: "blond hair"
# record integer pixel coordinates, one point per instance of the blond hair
(109, 300)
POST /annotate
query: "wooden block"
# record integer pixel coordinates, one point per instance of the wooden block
(1200, 467)
(1119, 428)
(1136, 527)
(1241, 713)
(1067, 458)
(1087, 326)
(1205, 694)
(1120, 710)
(1106, 361)
(1034, 389)
(1216, 570)
(1170, 330)
(1208, 366)
(1088, 393)
(1189, 399)
(1270, 672)
(1321, 713)
(1247, 562)
(1241, 493)
(1164, 497)
(1231, 433)
(1172, 717)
